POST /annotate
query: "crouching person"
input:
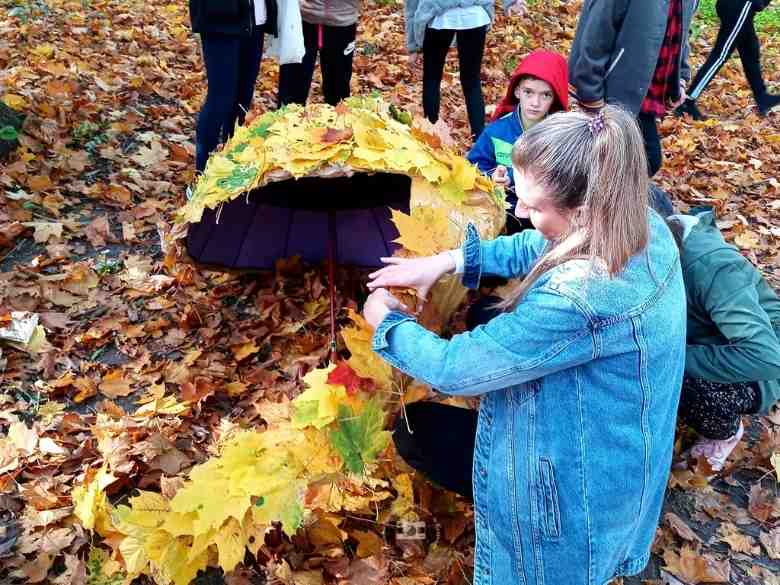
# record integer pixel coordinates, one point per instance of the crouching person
(732, 359)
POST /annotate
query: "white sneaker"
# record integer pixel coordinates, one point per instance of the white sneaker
(717, 451)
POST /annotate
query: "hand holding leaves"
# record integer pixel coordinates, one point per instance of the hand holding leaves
(417, 273)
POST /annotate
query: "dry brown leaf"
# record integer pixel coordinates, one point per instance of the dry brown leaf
(739, 542)
(36, 570)
(771, 542)
(23, 438)
(369, 543)
(762, 503)
(114, 384)
(98, 232)
(692, 567)
(680, 528)
(45, 230)
(56, 540)
(150, 157)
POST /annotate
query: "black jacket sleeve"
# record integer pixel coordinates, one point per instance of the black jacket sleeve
(232, 17)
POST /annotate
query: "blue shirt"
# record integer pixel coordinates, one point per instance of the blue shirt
(494, 147)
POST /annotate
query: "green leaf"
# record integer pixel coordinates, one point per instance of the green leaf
(8, 133)
(239, 179)
(238, 149)
(261, 128)
(400, 115)
(359, 439)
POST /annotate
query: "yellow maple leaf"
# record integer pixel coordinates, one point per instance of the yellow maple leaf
(318, 406)
(314, 453)
(404, 503)
(90, 504)
(170, 560)
(230, 544)
(462, 179)
(425, 231)
(253, 468)
(14, 101)
(365, 362)
(134, 555)
(254, 534)
(147, 509)
(179, 524)
(165, 405)
(201, 543)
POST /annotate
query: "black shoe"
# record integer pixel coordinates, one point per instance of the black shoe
(766, 103)
(689, 107)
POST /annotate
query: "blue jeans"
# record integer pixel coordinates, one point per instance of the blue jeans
(232, 65)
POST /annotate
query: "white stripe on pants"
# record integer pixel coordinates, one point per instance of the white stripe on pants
(724, 54)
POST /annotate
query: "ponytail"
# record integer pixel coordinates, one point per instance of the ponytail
(598, 173)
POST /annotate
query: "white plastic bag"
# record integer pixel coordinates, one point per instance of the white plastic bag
(288, 46)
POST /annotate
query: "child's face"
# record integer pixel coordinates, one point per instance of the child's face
(536, 98)
(534, 203)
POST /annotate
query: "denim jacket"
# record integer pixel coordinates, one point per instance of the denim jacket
(580, 385)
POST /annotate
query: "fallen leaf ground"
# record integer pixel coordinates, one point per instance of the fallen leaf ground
(111, 89)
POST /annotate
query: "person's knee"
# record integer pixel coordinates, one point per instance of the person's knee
(411, 417)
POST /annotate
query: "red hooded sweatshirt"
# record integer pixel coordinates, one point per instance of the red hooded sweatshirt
(545, 65)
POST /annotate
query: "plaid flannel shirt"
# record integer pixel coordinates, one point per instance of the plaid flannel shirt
(664, 86)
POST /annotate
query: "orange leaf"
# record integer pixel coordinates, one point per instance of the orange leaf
(242, 351)
(201, 389)
(115, 385)
(86, 389)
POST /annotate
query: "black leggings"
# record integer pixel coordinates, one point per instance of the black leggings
(232, 65)
(441, 445)
(652, 140)
(737, 31)
(338, 48)
(713, 409)
(471, 46)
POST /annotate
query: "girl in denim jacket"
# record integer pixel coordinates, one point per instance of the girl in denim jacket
(569, 454)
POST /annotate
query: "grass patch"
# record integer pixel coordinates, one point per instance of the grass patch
(766, 20)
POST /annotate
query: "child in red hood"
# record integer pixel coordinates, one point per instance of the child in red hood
(538, 87)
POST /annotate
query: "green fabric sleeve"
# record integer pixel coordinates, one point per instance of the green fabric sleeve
(729, 296)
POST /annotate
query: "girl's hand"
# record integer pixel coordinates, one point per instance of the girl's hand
(417, 273)
(501, 176)
(517, 9)
(683, 95)
(378, 304)
(414, 59)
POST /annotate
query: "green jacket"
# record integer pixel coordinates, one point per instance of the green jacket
(733, 314)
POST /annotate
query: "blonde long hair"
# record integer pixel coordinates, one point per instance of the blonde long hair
(597, 172)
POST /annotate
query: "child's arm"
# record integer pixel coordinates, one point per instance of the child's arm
(753, 350)
(592, 50)
(482, 154)
(545, 334)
